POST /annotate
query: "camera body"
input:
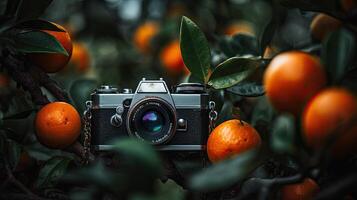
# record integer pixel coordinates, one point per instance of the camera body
(175, 121)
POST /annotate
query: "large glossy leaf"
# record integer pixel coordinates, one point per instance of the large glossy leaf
(80, 92)
(38, 24)
(283, 134)
(38, 42)
(247, 89)
(337, 53)
(52, 171)
(226, 173)
(32, 9)
(233, 71)
(194, 49)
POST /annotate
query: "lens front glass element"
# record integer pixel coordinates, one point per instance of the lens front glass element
(152, 121)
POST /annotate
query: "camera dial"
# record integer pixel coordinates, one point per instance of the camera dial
(106, 89)
(190, 88)
(116, 120)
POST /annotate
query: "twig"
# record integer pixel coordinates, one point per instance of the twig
(17, 71)
(48, 83)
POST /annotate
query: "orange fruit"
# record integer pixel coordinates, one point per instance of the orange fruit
(322, 25)
(144, 34)
(231, 138)
(53, 62)
(242, 27)
(58, 125)
(4, 80)
(80, 57)
(330, 113)
(171, 58)
(305, 190)
(291, 79)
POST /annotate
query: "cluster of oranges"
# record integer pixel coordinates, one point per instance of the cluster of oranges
(58, 124)
(296, 83)
(170, 54)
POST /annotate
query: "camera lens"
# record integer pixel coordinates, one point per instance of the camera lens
(152, 119)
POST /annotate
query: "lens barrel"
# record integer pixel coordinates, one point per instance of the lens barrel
(153, 120)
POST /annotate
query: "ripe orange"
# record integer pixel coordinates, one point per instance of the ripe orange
(58, 125)
(230, 138)
(171, 58)
(330, 113)
(80, 57)
(144, 34)
(322, 25)
(305, 190)
(243, 27)
(291, 79)
(53, 62)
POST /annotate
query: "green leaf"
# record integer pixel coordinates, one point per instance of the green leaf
(267, 35)
(20, 115)
(13, 152)
(38, 42)
(194, 49)
(38, 24)
(247, 89)
(239, 45)
(283, 134)
(80, 92)
(263, 112)
(20, 107)
(53, 170)
(138, 153)
(226, 173)
(233, 71)
(32, 9)
(337, 53)
(225, 113)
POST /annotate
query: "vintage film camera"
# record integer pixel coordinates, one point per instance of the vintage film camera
(177, 121)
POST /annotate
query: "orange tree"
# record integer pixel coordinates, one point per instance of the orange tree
(280, 116)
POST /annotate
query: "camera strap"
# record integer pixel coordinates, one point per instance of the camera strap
(212, 116)
(87, 116)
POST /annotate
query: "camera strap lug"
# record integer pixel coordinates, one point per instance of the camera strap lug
(212, 116)
(87, 116)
